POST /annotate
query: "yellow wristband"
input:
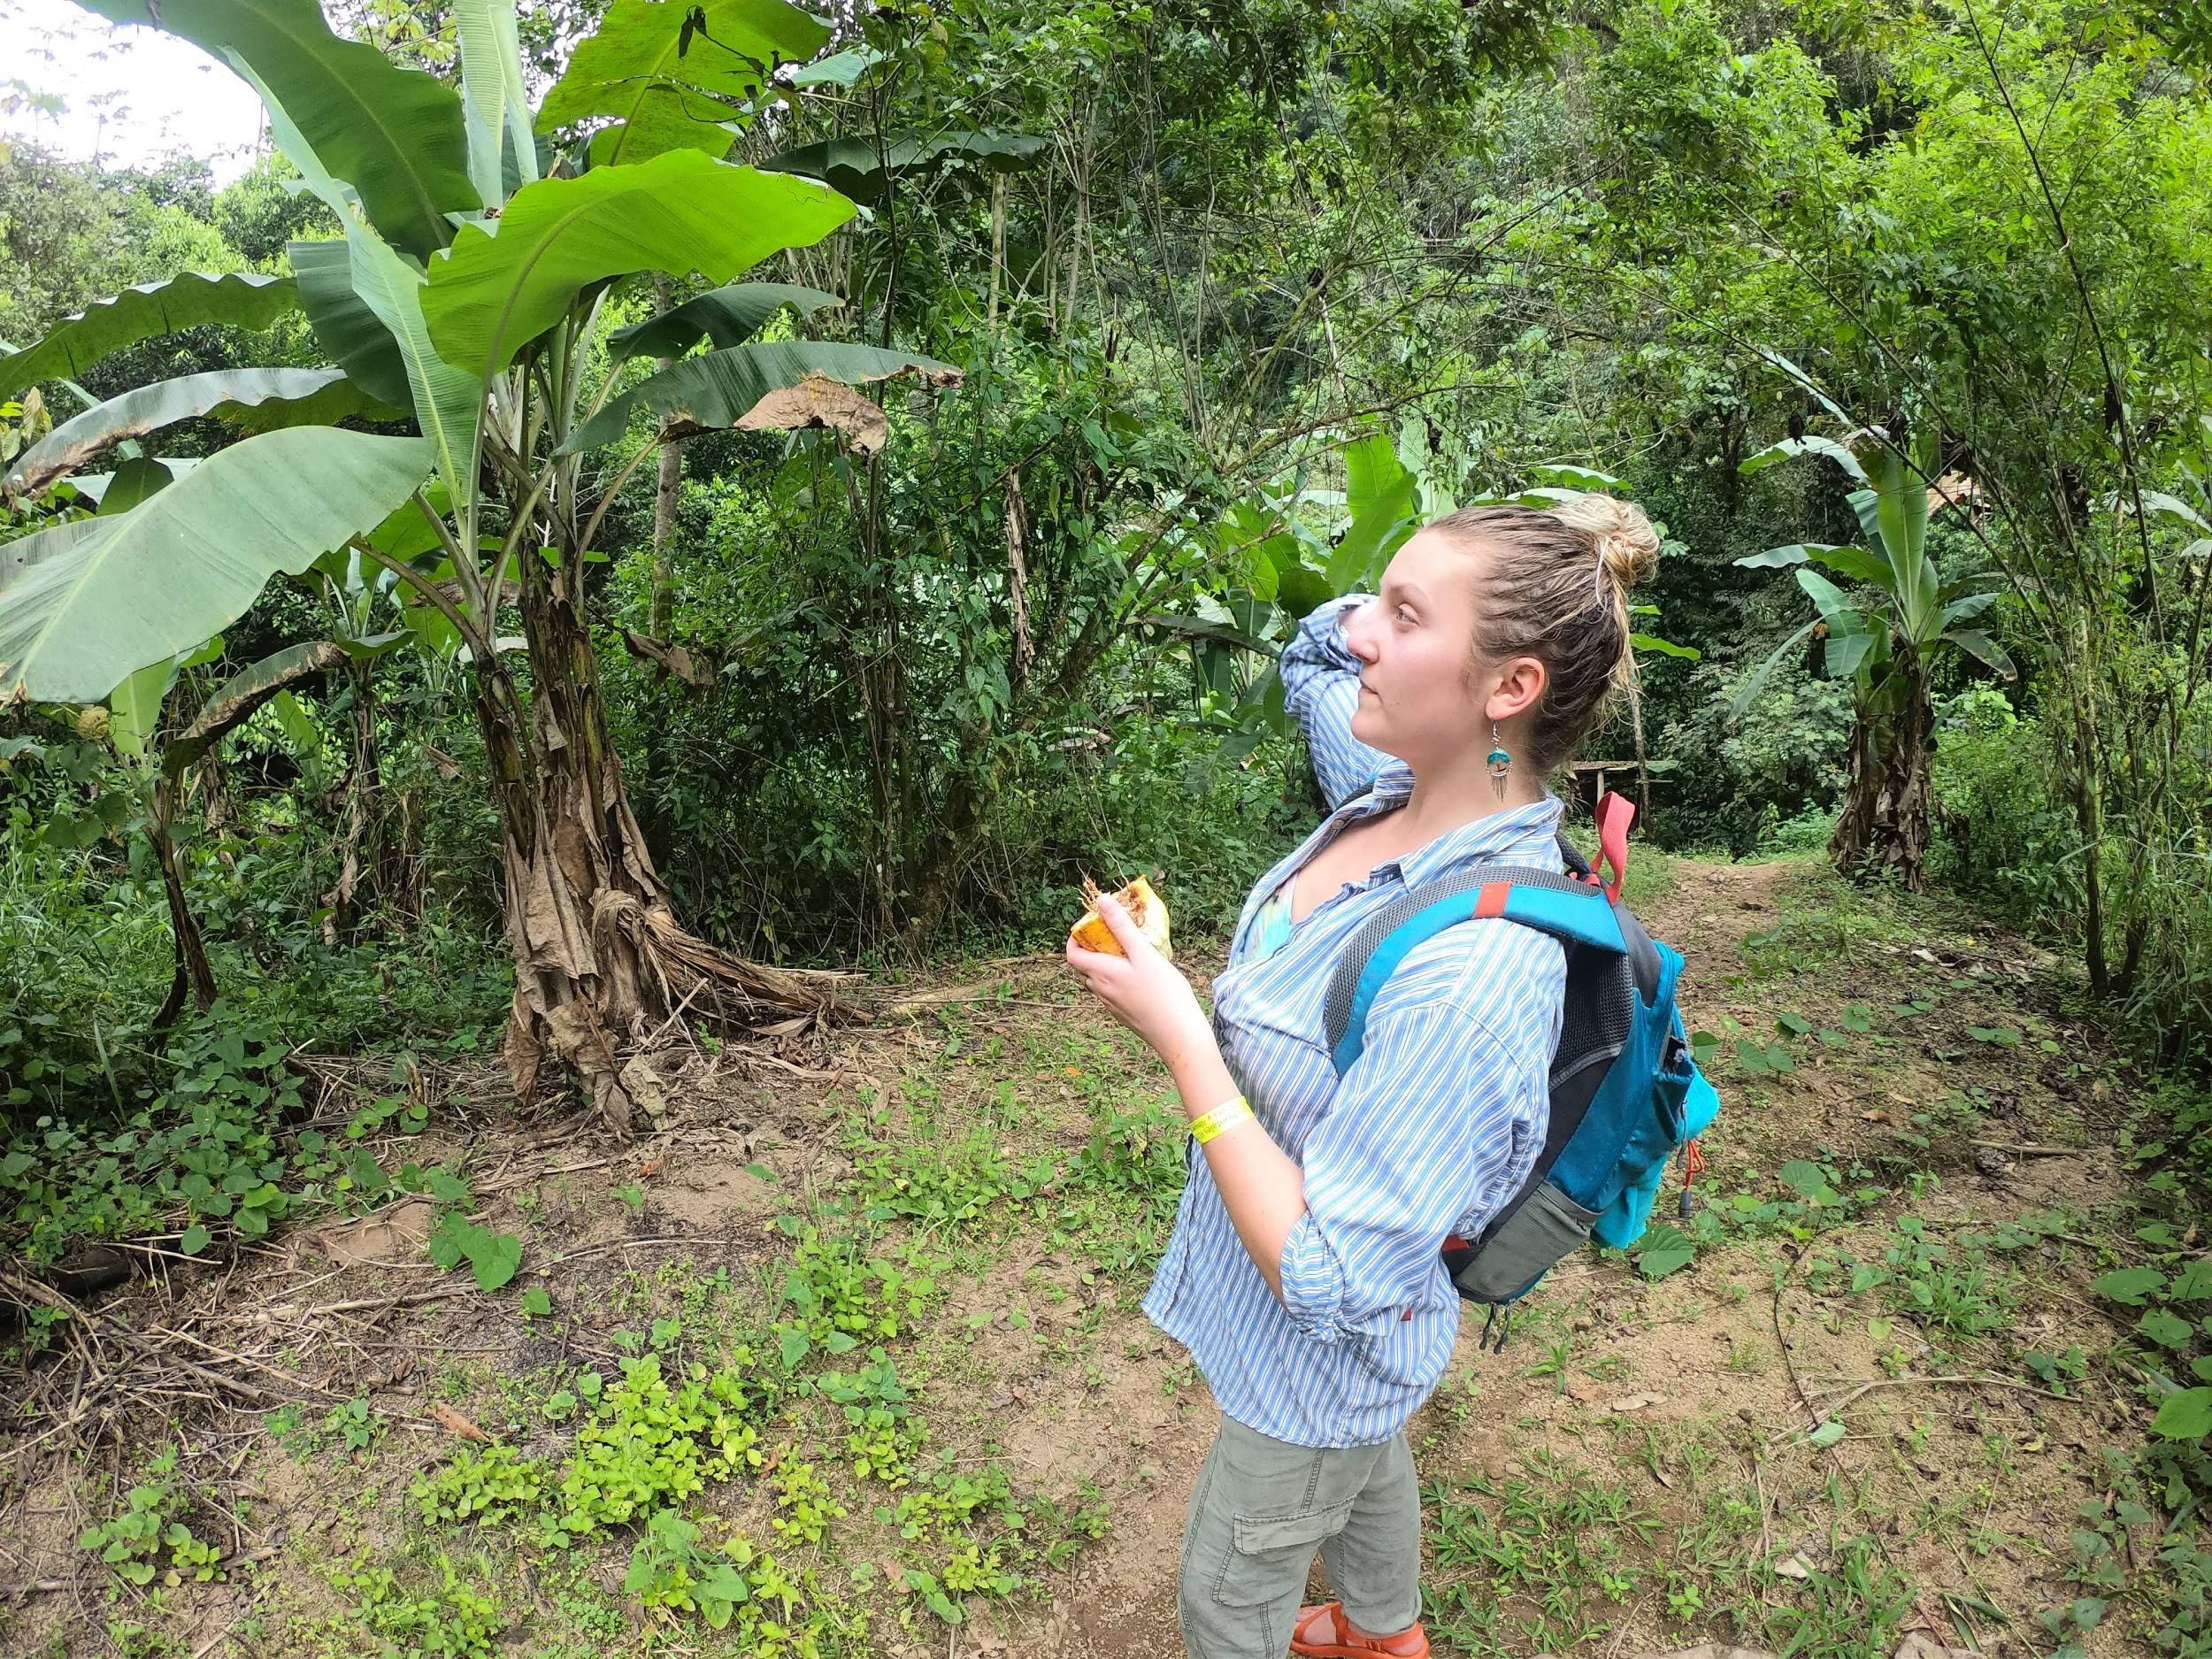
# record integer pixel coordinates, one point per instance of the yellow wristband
(1204, 1127)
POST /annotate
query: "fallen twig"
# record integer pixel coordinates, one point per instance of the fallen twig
(624, 1244)
(529, 1176)
(404, 1300)
(244, 1359)
(1957, 1381)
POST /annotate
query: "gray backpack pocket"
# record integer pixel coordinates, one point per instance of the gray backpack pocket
(1540, 1233)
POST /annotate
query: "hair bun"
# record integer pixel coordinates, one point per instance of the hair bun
(1627, 546)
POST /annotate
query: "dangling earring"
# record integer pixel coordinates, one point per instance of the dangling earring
(1501, 763)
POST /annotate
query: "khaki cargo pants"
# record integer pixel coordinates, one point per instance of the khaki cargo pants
(1261, 1509)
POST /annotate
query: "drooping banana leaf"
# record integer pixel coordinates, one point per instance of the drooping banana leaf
(244, 299)
(2156, 505)
(1203, 628)
(490, 295)
(1853, 562)
(860, 166)
(1570, 477)
(1751, 689)
(729, 47)
(394, 134)
(85, 603)
(1965, 609)
(238, 697)
(1832, 600)
(721, 388)
(838, 69)
(1978, 644)
(1805, 383)
(728, 316)
(1866, 505)
(344, 324)
(257, 399)
(1783, 450)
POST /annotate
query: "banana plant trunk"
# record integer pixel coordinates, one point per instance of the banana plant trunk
(193, 977)
(1884, 824)
(602, 967)
(372, 850)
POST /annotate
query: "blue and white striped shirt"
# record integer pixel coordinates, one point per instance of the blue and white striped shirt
(1435, 1127)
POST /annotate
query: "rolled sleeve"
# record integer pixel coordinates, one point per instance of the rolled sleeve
(1436, 1114)
(1321, 691)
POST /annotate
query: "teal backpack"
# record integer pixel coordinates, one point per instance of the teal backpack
(1625, 1094)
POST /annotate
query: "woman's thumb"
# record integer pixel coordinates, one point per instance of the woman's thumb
(1120, 925)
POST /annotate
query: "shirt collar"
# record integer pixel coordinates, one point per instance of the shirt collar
(1525, 830)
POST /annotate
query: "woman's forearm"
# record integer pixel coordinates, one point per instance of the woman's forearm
(1263, 1190)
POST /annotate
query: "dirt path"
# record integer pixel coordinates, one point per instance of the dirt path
(1633, 1472)
(1120, 1603)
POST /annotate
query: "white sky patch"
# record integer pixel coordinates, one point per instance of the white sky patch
(130, 97)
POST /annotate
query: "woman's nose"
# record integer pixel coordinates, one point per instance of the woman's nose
(1359, 635)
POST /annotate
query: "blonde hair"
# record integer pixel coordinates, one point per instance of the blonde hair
(1555, 585)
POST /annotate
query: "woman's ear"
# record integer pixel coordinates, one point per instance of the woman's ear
(1520, 687)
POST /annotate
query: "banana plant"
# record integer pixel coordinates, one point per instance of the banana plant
(1884, 636)
(480, 242)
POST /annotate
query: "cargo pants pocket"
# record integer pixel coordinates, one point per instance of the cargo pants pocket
(1269, 1553)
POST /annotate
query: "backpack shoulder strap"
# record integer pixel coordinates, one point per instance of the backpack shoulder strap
(1568, 908)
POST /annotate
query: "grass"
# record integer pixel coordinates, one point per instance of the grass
(935, 1394)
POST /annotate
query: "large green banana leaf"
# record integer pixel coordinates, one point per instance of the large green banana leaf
(664, 117)
(489, 295)
(394, 134)
(728, 47)
(257, 399)
(496, 103)
(242, 298)
(729, 316)
(719, 389)
(343, 323)
(1382, 496)
(448, 403)
(21, 554)
(84, 604)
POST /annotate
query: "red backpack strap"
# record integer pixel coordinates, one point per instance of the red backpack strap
(1615, 812)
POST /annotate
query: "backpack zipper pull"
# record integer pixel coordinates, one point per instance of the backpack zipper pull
(1693, 1166)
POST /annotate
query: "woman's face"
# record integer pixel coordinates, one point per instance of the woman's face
(1423, 694)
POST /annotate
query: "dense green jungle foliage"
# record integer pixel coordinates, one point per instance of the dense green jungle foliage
(1238, 294)
(640, 531)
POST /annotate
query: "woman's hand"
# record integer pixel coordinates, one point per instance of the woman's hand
(1144, 990)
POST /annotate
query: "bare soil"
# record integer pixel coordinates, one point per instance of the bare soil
(1674, 1391)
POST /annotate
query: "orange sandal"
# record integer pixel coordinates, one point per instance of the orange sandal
(1406, 1644)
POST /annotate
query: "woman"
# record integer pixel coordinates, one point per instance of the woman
(1303, 1273)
